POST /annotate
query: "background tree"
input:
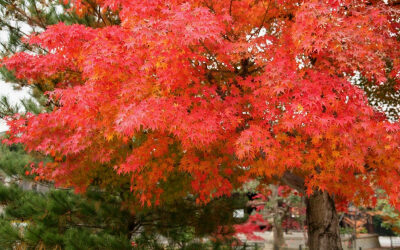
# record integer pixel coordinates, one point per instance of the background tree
(36, 215)
(275, 208)
(217, 93)
(386, 218)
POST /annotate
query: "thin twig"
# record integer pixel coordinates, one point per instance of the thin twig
(262, 22)
(29, 18)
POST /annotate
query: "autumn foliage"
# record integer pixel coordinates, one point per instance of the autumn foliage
(220, 91)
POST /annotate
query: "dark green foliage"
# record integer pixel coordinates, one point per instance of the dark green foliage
(13, 160)
(9, 76)
(9, 235)
(61, 218)
(378, 223)
(57, 218)
(183, 221)
(385, 97)
(85, 239)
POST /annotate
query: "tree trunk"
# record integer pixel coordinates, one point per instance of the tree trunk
(277, 229)
(322, 222)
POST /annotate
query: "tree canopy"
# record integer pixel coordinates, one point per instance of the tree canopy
(216, 93)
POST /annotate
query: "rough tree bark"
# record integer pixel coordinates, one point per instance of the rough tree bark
(322, 222)
(322, 219)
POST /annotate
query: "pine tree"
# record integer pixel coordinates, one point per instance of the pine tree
(38, 215)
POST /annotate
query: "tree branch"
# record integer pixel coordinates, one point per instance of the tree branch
(293, 181)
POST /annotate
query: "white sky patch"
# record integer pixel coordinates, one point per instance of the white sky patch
(15, 96)
(7, 89)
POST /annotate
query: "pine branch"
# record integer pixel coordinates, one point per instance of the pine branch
(7, 109)
(29, 18)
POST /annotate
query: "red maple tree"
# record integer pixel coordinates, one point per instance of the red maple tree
(223, 91)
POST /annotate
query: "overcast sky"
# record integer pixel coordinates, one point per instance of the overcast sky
(6, 89)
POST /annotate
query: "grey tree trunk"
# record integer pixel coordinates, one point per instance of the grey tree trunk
(322, 222)
(277, 229)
